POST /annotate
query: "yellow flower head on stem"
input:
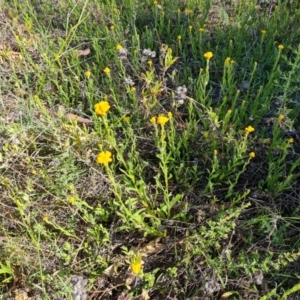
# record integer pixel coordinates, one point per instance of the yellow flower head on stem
(227, 61)
(249, 129)
(104, 157)
(101, 108)
(291, 140)
(208, 55)
(153, 120)
(45, 219)
(106, 70)
(280, 47)
(252, 154)
(119, 47)
(280, 117)
(162, 120)
(263, 31)
(88, 74)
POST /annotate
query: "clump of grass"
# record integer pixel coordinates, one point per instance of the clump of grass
(149, 150)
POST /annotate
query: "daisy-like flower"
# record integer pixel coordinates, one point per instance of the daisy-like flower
(280, 47)
(104, 157)
(208, 55)
(101, 108)
(249, 129)
(162, 120)
(280, 117)
(119, 47)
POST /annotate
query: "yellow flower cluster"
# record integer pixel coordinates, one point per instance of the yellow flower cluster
(161, 119)
(208, 55)
(101, 108)
(249, 129)
(104, 157)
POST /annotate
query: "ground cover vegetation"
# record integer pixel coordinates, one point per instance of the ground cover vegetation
(149, 149)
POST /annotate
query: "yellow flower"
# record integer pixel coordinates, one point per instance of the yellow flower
(227, 60)
(252, 154)
(104, 157)
(119, 47)
(133, 89)
(71, 200)
(162, 120)
(112, 27)
(126, 119)
(169, 114)
(201, 29)
(249, 129)
(291, 140)
(263, 31)
(45, 219)
(136, 267)
(101, 108)
(88, 74)
(150, 63)
(153, 120)
(280, 47)
(106, 70)
(155, 2)
(208, 55)
(280, 117)
(229, 111)
(179, 37)
(190, 27)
